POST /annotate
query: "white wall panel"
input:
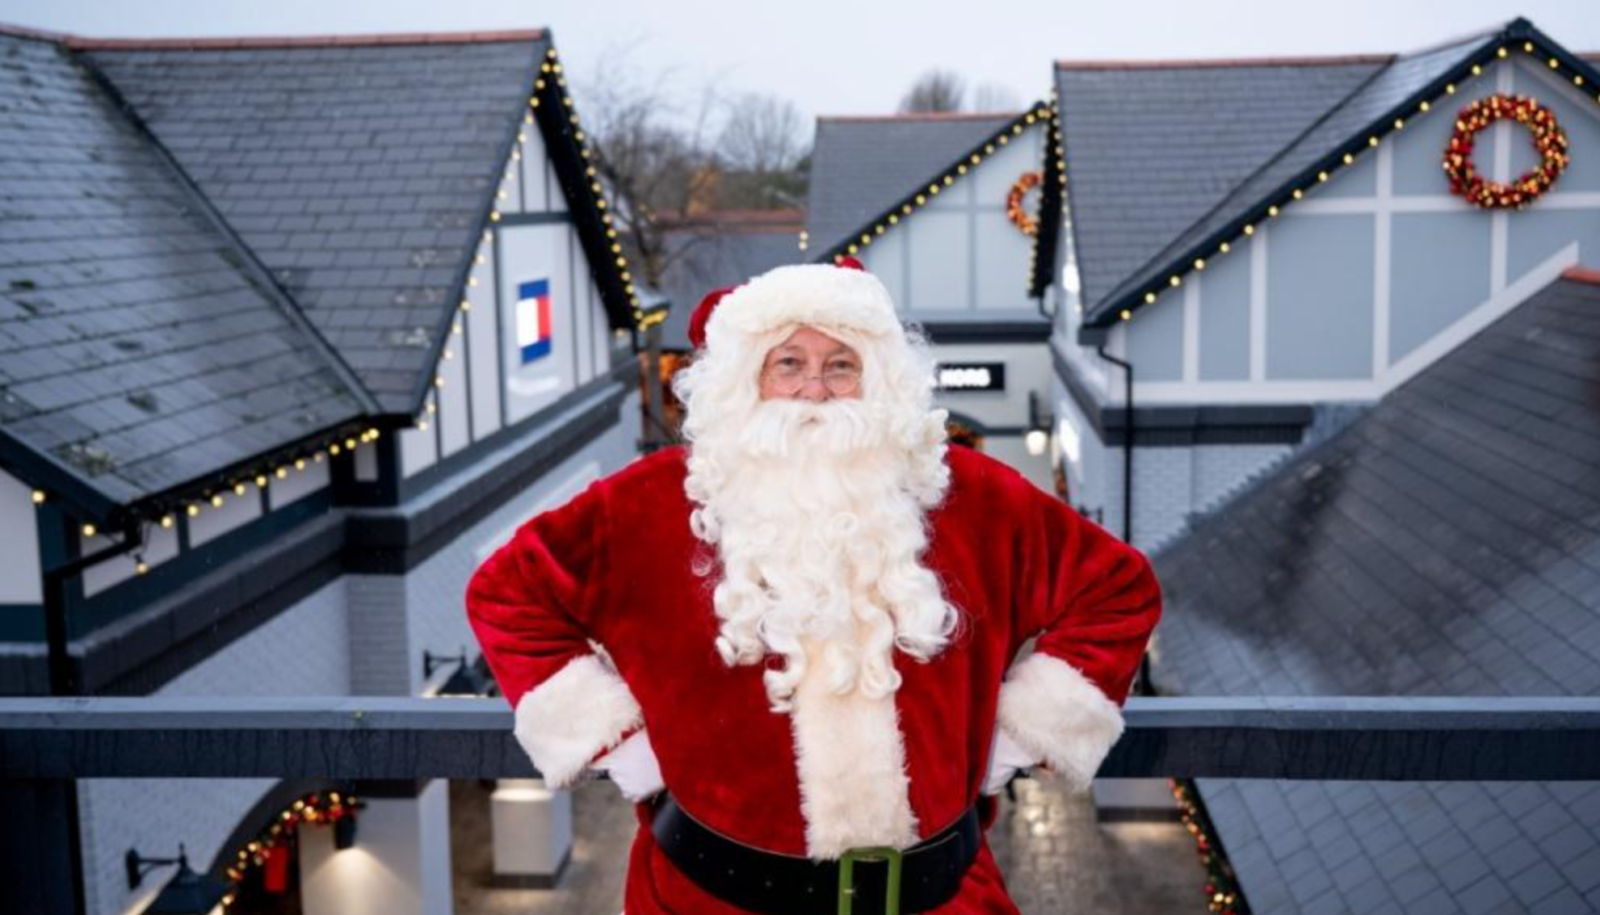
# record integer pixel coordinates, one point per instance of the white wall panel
(19, 531)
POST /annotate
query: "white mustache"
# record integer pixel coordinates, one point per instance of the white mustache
(790, 429)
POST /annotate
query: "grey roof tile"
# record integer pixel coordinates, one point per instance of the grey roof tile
(1150, 150)
(862, 166)
(127, 315)
(302, 148)
(1420, 551)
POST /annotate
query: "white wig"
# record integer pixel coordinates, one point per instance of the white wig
(819, 529)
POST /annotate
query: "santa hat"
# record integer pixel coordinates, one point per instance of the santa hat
(824, 295)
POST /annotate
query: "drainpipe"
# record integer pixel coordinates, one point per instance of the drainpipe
(1144, 686)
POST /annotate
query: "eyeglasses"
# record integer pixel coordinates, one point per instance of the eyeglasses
(788, 376)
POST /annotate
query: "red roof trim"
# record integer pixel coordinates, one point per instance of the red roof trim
(300, 41)
(1330, 61)
(1582, 275)
(22, 31)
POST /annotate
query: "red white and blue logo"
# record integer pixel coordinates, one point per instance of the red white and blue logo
(533, 320)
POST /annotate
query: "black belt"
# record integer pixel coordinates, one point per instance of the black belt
(772, 883)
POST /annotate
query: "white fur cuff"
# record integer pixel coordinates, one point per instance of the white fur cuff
(572, 716)
(1056, 713)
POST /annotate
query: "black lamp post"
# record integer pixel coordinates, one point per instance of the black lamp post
(187, 893)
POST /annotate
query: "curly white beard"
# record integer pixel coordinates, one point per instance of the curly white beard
(817, 511)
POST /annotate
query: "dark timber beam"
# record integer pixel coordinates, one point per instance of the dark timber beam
(1390, 739)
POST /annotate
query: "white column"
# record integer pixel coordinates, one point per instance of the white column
(400, 864)
(532, 828)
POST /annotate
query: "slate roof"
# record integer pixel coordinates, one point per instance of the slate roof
(1151, 149)
(138, 349)
(862, 166)
(1446, 543)
(1236, 138)
(360, 175)
(248, 243)
(723, 250)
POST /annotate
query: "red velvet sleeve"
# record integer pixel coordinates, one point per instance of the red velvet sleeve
(1093, 601)
(528, 600)
(530, 605)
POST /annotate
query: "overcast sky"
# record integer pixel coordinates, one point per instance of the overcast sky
(849, 58)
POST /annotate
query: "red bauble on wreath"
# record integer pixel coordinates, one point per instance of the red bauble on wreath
(1549, 141)
(1014, 211)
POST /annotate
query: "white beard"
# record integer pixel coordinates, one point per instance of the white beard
(817, 512)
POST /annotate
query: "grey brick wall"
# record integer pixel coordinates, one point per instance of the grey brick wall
(380, 645)
(1173, 485)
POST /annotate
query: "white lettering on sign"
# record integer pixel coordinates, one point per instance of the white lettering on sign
(965, 377)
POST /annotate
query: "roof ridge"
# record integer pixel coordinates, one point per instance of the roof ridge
(233, 43)
(1582, 275)
(1199, 63)
(924, 116)
(251, 266)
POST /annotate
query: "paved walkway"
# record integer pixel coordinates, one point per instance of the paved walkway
(1056, 858)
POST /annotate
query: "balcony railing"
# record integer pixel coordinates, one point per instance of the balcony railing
(1389, 739)
(46, 744)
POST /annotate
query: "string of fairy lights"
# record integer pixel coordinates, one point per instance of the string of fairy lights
(1197, 260)
(323, 808)
(551, 81)
(1053, 160)
(249, 481)
(1222, 885)
(936, 186)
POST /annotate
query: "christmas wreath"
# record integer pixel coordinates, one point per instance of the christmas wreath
(1549, 141)
(1014, 211)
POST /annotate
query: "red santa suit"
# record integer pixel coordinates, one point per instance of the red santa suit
(615, 568)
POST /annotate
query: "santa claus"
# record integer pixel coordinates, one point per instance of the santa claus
(794, 641)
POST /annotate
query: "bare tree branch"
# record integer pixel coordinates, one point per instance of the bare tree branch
(934, 91)
(662, 161)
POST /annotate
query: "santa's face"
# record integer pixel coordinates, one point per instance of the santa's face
(810, 365)
(814, 495)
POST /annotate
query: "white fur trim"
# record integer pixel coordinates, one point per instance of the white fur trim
(851, 760)
(819, 294)
(567, 719)
(1056, 713)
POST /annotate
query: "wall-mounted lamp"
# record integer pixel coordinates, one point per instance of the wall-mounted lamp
(344, 832)
(470, 678)
(1037, 438)
(187, 893)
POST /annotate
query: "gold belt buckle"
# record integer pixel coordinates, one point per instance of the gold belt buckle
(847, 887)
